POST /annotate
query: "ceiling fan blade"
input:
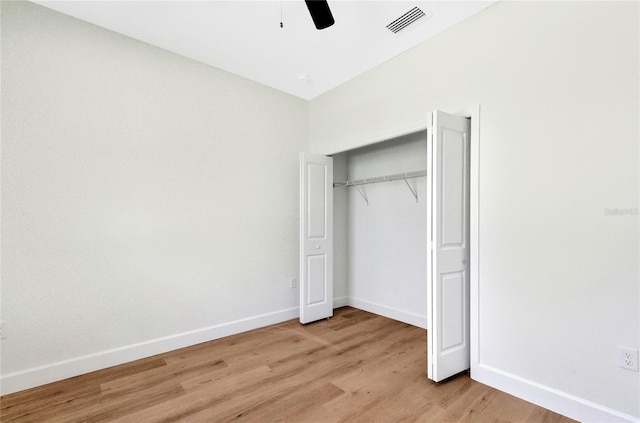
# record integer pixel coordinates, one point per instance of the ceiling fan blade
(320, 13)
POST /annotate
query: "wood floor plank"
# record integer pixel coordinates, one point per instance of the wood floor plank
(157, 376)
(218, 392)
(291, 406)
(353, 367)
(36, 404)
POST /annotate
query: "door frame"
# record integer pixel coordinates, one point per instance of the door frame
(473, 112)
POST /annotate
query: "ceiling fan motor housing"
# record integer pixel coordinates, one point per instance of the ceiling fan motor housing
(320, 13)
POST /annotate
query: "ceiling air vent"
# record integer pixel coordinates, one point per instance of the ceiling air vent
(405, 20)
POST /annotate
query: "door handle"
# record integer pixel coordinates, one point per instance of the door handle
(317, 247)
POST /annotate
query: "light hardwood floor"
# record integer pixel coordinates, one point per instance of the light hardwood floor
(356, 367)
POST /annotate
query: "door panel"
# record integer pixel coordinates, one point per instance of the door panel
(317, 213)
(316, 237)
(452, 300)
(448, 333)
(316, 282)
(453, 188)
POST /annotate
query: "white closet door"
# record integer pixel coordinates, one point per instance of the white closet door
(316, 237)
(448, 333)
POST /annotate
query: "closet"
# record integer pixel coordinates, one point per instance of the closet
(380, 228)
(386, 228)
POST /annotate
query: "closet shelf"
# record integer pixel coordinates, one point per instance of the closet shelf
(385, 178)
(395, 177)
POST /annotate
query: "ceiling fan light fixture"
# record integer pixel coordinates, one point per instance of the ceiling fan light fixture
(320, 13)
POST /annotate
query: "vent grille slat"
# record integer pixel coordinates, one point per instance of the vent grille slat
(405, 20)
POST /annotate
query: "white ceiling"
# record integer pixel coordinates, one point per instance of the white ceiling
(245, 38)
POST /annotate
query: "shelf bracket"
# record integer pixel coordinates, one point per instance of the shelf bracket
(415, 194)
(362, 193)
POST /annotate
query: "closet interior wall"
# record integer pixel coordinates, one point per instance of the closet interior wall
(380, 248)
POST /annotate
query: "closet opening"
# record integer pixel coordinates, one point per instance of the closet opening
(397, 235)
(380, 228)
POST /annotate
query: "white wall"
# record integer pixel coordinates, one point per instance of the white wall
(387, 239)
(558, 277)
(340, 233)
(148, 201)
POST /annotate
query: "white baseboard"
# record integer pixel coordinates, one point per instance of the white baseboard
(390, 312)
(340, 302)
(36, 376)
(552, 399)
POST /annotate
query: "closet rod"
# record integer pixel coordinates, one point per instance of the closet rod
(385, 178)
